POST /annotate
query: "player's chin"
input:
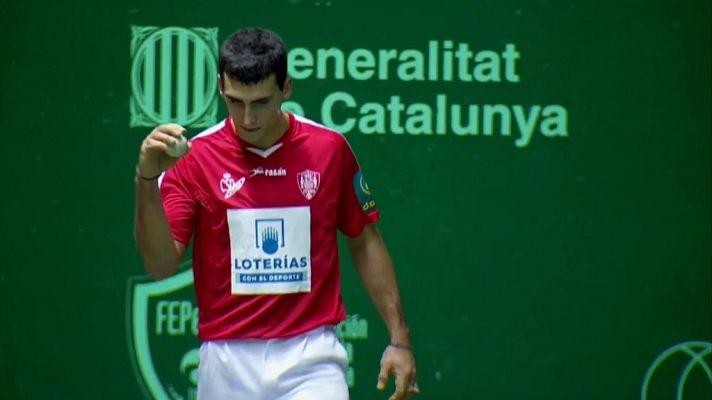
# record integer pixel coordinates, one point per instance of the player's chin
(251, 135)
(250, 131)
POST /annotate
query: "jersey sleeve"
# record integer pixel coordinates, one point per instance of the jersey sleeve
(178, 202)
(357, 208)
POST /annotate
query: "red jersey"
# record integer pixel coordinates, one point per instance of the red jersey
(263, 223)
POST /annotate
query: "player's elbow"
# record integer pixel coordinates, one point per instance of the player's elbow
(160, 265)
(160, 271)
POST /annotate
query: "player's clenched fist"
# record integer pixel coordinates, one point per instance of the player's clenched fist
(161, 149)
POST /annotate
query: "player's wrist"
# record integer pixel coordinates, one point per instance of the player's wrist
(142, 177)
(400, 334)
(403, 346)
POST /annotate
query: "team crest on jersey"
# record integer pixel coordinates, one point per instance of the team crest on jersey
(230, 186)
(308, 183)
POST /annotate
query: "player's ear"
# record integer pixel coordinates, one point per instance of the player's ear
(287, 89)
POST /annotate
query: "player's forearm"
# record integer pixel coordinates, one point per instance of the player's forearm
(152, 233)
(375, 268)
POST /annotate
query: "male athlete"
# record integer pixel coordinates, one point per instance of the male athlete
(262, 195)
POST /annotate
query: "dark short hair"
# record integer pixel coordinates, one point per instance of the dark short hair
(251, 55)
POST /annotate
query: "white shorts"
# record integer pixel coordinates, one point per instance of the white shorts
(306, 367)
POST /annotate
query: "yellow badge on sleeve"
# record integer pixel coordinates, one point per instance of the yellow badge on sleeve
(368, 204)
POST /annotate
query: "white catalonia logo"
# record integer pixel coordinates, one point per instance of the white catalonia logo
(229, 186)
(173, 76)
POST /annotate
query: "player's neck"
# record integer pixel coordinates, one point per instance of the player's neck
(270, 138)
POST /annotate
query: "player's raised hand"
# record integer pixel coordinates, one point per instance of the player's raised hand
(160, 150)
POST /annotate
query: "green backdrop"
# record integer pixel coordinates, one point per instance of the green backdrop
(556, 247)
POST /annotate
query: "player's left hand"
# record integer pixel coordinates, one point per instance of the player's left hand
(401, 363)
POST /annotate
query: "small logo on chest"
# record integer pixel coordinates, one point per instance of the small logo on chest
(230, 186)
(308, 183)
(268, 172)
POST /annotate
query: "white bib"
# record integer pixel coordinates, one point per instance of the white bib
(270, 250)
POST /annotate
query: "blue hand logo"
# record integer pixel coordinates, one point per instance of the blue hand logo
(270, 240)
